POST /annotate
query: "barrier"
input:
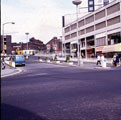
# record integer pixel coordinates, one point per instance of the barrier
(104, 64)
(10, 63)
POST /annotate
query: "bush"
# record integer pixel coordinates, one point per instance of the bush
(55, 58)
(67, 59)
(46, 58)
(39, 57)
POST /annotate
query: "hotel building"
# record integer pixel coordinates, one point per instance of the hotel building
(98, 32)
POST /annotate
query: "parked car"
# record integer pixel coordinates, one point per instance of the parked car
(19, 60)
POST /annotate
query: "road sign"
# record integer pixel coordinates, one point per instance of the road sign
(91, 6)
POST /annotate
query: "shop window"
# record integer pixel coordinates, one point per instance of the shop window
(101, 41)
(82, 44)
(114, 38)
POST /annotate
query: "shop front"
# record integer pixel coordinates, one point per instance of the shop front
(67, 49)
(99, 50)
(110, 50)
(90, 47)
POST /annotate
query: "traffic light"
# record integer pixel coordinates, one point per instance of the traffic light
(5, 42)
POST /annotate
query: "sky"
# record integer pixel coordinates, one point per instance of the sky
(42, 19)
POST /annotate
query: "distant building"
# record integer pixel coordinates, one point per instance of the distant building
(36, 44)
(33, 44)
(54, 46)
(6, 43)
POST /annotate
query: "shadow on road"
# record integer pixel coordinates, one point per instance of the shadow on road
(9, 112)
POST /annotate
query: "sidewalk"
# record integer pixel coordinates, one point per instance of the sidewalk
(89, 63)
(85, 65)
(90, 60)
(9, 71)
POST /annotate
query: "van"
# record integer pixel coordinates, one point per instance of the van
(19, 60)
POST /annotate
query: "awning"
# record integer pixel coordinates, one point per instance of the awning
(73, 50)
(112, 48)
(99, 48)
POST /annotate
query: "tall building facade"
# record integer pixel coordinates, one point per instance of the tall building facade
(98, 32)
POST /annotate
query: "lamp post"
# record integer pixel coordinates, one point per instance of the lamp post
(27, 45)
(77, 2)
(27, 40)
(3, 31)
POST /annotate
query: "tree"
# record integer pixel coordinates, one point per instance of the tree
(51, 49)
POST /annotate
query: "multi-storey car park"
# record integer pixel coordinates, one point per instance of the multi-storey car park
(98, 32)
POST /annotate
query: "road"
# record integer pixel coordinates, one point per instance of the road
(53, 92)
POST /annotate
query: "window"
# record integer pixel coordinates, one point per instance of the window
(101, 41)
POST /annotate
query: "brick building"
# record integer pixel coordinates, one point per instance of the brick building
(33, 44)
(54, 45)
(36, 44)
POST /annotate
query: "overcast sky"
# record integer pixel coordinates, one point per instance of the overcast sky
(41, 18)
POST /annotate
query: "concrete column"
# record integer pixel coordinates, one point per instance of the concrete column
(106, 27)
(85, 48)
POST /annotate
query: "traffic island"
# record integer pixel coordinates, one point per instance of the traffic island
(9, 72)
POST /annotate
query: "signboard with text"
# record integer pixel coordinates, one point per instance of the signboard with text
(91, 6)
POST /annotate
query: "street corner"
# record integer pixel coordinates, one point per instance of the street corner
(10, 72)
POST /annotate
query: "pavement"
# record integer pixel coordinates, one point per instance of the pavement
(85, 65)
(9, 71)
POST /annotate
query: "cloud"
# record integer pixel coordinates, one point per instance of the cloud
(41, 18)
(35, 17)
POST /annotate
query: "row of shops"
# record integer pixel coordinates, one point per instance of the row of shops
(91, 46)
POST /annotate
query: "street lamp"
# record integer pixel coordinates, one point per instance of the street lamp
(77, 2)
(27, 40)
(3, 30)
(27, 43)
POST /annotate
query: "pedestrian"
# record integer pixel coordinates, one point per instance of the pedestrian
(102, 59)
(117, 60)
(98, 60)
(114, 60)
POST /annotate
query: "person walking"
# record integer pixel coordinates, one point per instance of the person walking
(114, 60)
(117, 60)
(98, 60)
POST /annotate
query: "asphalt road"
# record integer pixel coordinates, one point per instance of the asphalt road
(52, 92)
